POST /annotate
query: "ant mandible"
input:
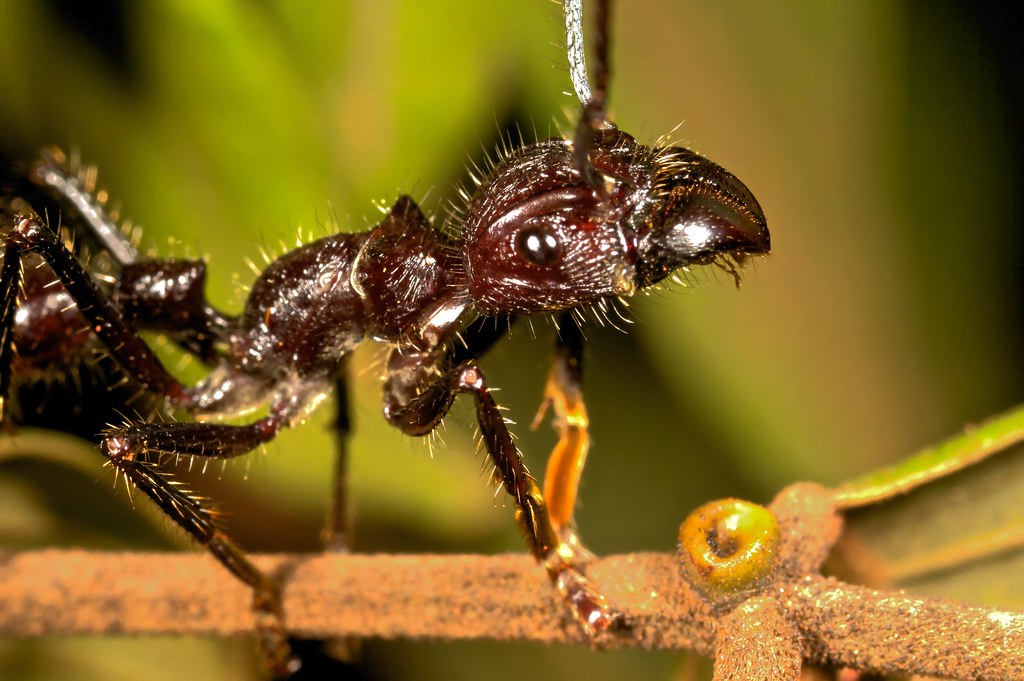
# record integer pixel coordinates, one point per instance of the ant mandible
(555, 226)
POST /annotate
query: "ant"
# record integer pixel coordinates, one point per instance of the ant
(553, 227)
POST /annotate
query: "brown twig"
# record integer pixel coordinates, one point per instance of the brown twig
(499, 598)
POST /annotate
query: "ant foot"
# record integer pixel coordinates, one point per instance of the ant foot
(281, 662)
(588, 606)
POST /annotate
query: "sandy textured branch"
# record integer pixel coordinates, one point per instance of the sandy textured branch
(495, 597)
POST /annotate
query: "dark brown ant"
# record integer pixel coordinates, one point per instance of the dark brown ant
(554, 226)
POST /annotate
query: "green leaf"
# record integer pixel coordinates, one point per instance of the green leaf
(946, 521)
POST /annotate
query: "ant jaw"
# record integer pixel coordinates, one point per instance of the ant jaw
(707, 216)
(625, 283)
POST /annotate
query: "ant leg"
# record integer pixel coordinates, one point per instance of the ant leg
(76, 187)
(337, 532)
(10, 284)
(130, 451)
(417, 407)
(478, 337)
(105, 318)
(564, 394)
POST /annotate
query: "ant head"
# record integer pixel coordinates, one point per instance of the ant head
(700, 214)
(538, 238)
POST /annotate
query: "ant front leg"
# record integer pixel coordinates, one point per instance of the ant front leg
(563, 393)
(416, 399)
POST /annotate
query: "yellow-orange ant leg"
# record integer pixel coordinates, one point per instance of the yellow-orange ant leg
(563, 393)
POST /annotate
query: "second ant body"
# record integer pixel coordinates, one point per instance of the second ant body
(556, 226)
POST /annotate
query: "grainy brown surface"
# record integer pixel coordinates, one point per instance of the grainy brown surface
(500, 598)
(810, 526)
(885, 631)
(443, 597)
(756, 642)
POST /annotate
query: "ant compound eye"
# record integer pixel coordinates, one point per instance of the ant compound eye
(539, 246)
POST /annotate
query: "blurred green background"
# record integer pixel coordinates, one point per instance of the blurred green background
(881, 139)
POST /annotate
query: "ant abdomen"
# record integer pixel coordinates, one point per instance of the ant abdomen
(60, 377)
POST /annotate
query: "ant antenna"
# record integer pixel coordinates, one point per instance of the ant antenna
(574, 49)
(594, 115)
